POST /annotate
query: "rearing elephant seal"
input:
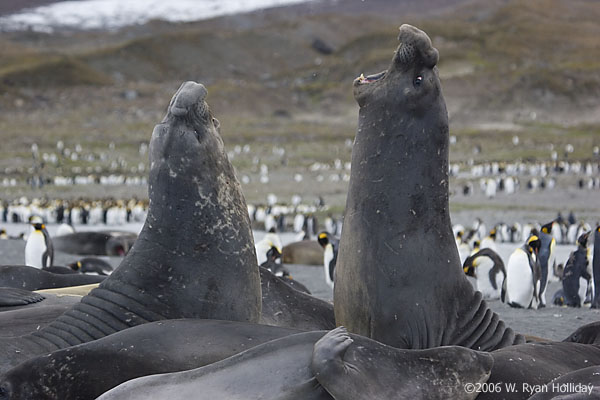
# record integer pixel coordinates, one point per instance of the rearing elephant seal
(194, 257)
(399, 278)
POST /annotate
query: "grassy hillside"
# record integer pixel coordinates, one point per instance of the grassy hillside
(520, 67)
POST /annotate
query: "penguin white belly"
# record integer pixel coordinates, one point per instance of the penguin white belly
(261, 251)
(488, 243)
(484, 285)
(270, 222)
(519, 279)
(327, 257)
(583, 285)
(34, 249)
(464, 251)
(298, 222)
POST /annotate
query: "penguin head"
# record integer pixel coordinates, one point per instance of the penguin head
(493, 233)
(76, 266)
(39, 227)
(273, 253)
(534, 244)
(476, 245)
(547, 228)
(583, 239)
(323, 239)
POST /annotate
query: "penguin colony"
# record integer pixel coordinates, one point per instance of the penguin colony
(522, 280)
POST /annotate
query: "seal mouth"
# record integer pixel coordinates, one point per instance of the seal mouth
(363, 80)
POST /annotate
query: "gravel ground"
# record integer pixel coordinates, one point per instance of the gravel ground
(554, 323)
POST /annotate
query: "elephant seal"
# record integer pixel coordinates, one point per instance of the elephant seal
(306, 252)
(102, 243)
(377, 371)
(194, 257)
(282, 305)
(17, 322)
(399, 278)
(18, 297)
(283, 369)
(80, 372)
(535, 364)
(587, 334)
(583, 384)
(30, 278)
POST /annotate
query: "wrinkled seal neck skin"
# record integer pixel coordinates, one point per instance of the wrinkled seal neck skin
(399, 278)
(194, 257)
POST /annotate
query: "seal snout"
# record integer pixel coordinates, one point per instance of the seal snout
(415, 46)
(188, 96)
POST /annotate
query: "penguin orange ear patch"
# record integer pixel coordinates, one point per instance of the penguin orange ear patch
(322, 236)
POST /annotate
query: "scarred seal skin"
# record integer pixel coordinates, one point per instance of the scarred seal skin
(399, 278)
(194, 257)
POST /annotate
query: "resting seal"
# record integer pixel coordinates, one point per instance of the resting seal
(306, 252)
(399, 278)
(30, 278)
(154, 348)
(194, 257)
(283, 369)
(109, 243)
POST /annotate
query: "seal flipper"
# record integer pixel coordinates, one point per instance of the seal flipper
(18, 297)
(358, 368)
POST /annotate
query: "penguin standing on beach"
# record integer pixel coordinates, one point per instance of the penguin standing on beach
(330, 247)
(39, 252)
(546, 258)
(488, 269)
(522, 284)
(577, 274)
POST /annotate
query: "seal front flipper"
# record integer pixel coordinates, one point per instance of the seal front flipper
(18, 297)
(352, 367)
(329, 352)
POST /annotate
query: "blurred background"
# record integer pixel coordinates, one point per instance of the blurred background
(82, 83)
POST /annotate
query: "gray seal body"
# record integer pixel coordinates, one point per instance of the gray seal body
(399, 277)
(194, 257)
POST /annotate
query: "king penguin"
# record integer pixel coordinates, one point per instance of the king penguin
(546, 257)
(330, 247)
(522, 282)
(39, 252)
(488, 269)
(577, 274)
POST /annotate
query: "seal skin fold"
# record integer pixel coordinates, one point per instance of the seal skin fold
(399, 278)
(194, 257)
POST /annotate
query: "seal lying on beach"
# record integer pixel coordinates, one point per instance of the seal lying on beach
(30, 278)
(382, 370)
(154, 348)
(194, 257)
(107, 243)
(398, 275)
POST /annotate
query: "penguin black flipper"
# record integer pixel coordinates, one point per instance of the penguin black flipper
(18, 297)
(48, 256)
(495, 270)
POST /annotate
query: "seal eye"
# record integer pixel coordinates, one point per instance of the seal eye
(418, 80)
